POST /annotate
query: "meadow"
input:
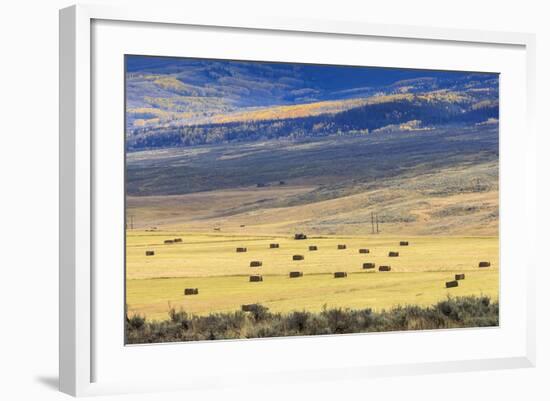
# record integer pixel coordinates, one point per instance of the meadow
(209, 262)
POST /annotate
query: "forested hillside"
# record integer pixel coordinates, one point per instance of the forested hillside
(197, 102)
(416, 112)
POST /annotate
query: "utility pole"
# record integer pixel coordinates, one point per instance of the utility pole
(372, 221)
(131, 221)
(377, 231)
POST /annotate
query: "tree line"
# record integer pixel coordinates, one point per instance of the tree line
(361, 119)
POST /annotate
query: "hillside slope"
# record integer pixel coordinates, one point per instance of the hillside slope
(442, 181)
(187, 102)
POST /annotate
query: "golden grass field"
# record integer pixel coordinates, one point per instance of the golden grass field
(210, 263)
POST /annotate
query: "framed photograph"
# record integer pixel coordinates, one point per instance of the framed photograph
(290, 200)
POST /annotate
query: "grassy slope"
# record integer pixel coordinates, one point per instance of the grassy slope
(337, 163)
(441, 182)
(404, 211)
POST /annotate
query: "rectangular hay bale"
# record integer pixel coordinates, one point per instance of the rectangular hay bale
(241, 249)
(273, 246)
(340, 275)
(393, 254)
(364, 250)
(403, 243)
(191, 291)
(460, 276)
(248, 307)
(369, 265)
(341, 246)
(384, 268)
(295, 274)
(298, 257)
(255, 279)
(149, 253)
(484, 264)
(255, 263)
(313, 247)
(451, 284)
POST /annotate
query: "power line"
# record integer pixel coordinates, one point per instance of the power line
(131, 217)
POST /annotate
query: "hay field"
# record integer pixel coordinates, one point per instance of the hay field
(210, 262)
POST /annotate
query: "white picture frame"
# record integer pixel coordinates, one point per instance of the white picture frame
(79, 317)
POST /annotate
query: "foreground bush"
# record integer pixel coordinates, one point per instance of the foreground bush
(260, 322)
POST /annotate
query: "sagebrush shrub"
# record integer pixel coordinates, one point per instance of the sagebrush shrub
(260, 322)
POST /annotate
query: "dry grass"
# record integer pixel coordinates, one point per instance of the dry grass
(210, 263)
(458, 200)
(214, 255)
(401, 211)
(154, 297)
